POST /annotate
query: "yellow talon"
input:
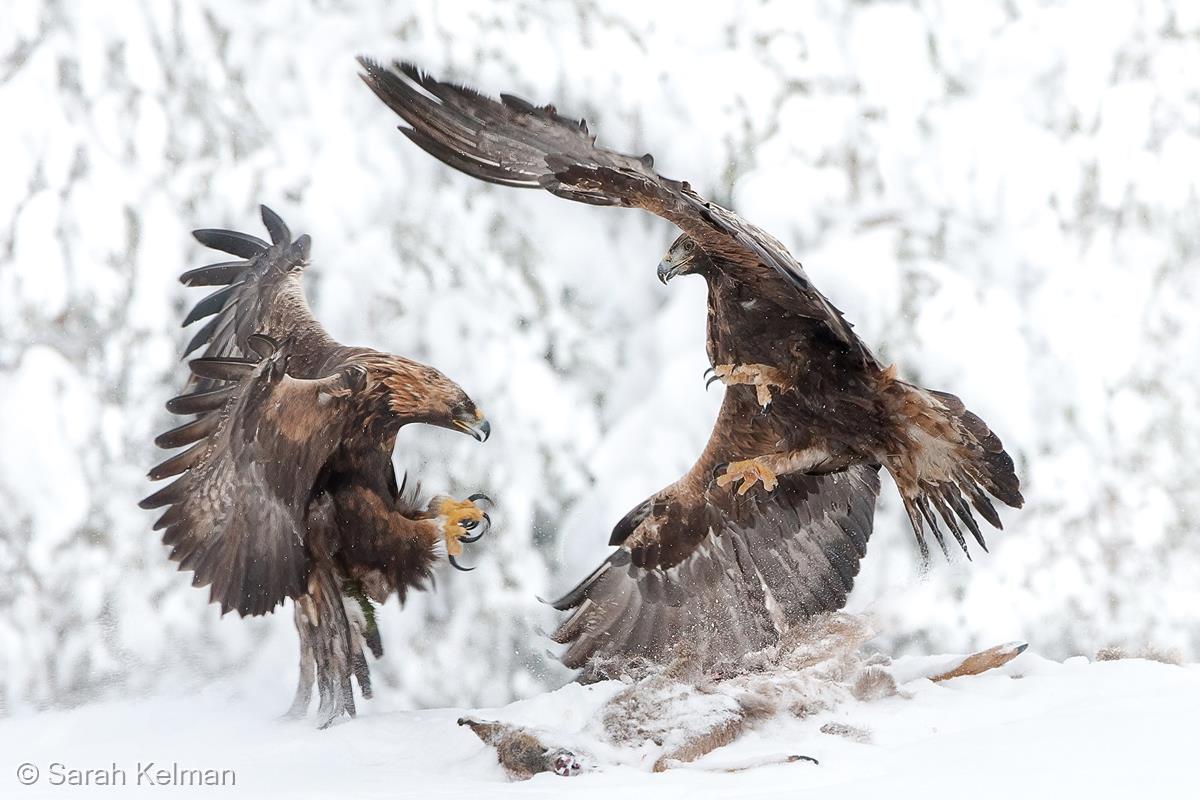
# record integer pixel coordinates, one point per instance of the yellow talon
(762, 392)
(762, 377)
(452, 514)
(749, 471)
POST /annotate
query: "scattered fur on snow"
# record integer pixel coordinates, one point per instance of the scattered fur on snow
(686, 714)
(1148, 652)
(667, 716)
(854, 734)
(873, 683)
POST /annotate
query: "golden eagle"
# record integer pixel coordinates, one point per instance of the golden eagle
(286, 487)
(810, 413)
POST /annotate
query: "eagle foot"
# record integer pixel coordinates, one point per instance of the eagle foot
(749, 472)
(761, 376)
(456, 521)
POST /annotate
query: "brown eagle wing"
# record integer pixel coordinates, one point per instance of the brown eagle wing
(706, 565)
(515, 143)
(260, 293)
(236, 516)
(258, 438)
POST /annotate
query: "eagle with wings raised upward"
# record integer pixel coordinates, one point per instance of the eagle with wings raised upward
(808, 416)
(287, 487)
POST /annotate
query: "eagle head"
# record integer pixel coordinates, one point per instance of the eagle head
(467, 418)
(419, 393)
(683, 258)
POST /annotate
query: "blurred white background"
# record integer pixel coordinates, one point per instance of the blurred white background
(1002, 196)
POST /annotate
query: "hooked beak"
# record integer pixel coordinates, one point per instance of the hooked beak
(669, 267)
(477, 426)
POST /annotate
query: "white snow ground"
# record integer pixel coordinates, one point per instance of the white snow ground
(1034, 728)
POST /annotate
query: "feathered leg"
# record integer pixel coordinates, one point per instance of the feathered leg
(327, 643)
(304, 686)
(362, 672)
(361, 626)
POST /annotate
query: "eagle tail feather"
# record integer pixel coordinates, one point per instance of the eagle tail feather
(948, 464)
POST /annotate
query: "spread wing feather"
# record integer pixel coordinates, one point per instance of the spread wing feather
(787, 555)
(514, 143)
(260, 294)
(236, 516)
(236, 513)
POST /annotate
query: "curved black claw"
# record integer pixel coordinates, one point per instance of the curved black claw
(711, 381)
(459, 566)
(709, 371)
(718, 471)
(484, 528)
(475, 498)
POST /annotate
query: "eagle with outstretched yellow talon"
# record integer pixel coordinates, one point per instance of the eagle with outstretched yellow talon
(771, 522)
(286, 488)
(764, 379)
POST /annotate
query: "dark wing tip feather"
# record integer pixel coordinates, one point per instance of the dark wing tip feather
(235, 243)
(426, 81)
(301, 249)
(518, 103)
(578, 594)
(188, 433)
(221, 368)
(202, 336)
(171, 493)
(212, 304)
(214, 274)
(280, 233)
(200, 402)
(178, 463)
(500, 141)
(474, 167)
(169, 517)
(628, 524)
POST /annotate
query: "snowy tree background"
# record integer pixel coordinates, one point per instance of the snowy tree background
(1003, 196)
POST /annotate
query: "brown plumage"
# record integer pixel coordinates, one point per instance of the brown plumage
(287, 488)
(521, 752)
(777, 511)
